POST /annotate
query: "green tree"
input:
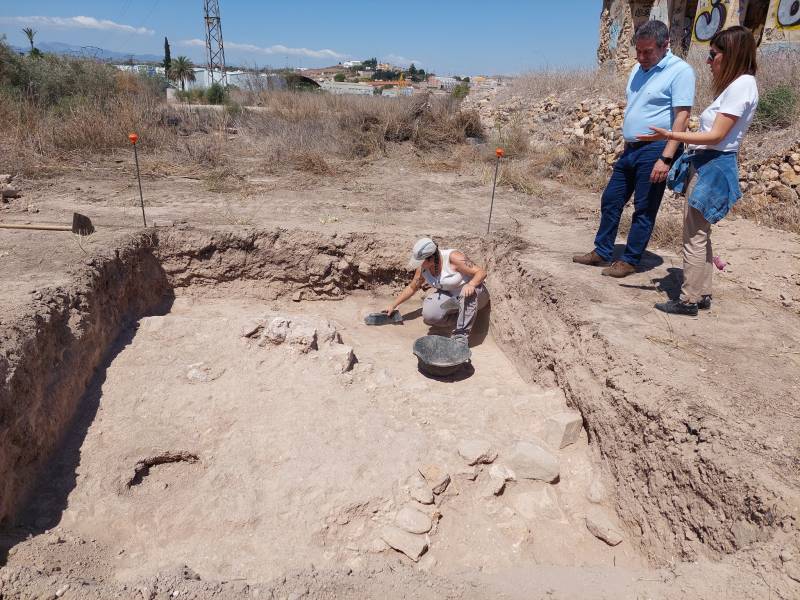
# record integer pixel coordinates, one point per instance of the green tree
(181, 70)
(460, 91)
(339, 77)
(167, 57)
(30, 33)
(215, 94)
(372, 63)
(412, 70)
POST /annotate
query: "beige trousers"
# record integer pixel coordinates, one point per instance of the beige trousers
(697, 253)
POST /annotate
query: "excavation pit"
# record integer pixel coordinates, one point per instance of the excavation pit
(243, 421)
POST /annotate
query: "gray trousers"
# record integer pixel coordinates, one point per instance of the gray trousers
(441, 309)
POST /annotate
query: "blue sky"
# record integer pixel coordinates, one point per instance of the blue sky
(443, 36)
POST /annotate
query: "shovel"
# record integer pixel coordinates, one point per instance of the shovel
(381, 318)
(81, 225)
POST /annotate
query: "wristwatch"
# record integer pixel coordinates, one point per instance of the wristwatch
(667, 160)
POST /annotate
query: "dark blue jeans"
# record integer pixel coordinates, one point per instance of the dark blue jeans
(631, 176)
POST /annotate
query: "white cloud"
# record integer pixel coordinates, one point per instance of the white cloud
(277, 49)
(401, 61)
(79, 22)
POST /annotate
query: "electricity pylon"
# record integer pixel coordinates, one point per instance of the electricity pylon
(215, 51)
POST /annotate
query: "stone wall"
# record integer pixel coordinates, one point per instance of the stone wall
(597, 122)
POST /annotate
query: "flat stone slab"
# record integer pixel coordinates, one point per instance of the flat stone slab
(563, 429)
(413, 546)
(530, 460)
(601, 527)
(476, 452)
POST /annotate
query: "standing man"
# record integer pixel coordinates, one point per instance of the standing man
(660, 91)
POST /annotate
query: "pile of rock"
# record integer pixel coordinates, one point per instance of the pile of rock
(8, 189)
(490, 471)
(302, 335)
(778, 177)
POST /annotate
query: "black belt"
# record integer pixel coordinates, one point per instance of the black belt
(636, 145)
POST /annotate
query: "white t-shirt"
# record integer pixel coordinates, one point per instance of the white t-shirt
(739, 99)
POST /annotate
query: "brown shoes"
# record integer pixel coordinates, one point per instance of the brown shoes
(619, 269)
(592, 259)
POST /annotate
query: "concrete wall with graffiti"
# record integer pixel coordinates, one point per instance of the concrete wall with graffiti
(694, 22)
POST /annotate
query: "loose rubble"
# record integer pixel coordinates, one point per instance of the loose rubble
(530, 460)
(476, 452)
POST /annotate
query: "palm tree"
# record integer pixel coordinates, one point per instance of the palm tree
(181, 70)
(30, 33)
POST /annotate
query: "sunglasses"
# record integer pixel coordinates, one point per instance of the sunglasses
(712, 54)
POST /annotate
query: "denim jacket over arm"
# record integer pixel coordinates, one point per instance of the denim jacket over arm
(717, 187)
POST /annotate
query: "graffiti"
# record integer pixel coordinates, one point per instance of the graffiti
(788, 14)
(614, 37)
(710, 21)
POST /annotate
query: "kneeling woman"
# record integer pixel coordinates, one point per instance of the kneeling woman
(458, 292)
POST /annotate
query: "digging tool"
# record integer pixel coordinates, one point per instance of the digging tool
(381, 318)
(81, 225)
(135, 138)
(499, 153)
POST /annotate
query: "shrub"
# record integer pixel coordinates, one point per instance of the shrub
(460, 91)
(216, 94)
(776, 107)
(339, 77)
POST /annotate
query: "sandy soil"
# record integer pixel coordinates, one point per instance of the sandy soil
(730, 374)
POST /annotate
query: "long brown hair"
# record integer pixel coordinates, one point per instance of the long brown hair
(738, 49)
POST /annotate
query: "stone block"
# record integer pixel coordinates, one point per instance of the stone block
(530, 460)
(563, 429)
(413, 546)
(476, 452)
(412, 520)
(601, 527)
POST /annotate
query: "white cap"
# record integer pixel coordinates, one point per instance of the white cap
(424, 248)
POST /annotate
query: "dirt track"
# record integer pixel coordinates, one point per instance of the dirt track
(693, 422)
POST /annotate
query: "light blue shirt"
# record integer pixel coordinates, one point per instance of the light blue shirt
(653, 94)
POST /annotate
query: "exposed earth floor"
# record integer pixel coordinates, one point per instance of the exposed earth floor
(283, 471)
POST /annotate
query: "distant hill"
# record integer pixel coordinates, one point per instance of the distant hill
(91, 52)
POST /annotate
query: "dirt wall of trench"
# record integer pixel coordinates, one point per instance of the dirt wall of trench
(50, 348)
(684, 481)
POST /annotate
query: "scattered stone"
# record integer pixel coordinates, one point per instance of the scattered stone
(413, 546)
(502, 472)
(786, 555)
(412, 520)
(563, 429)
(341, 357)
(7, 191)
(251, 328)
(492, 487)
(530, 461)
(539, 502)
(601, 527)
(467, 473)
(418, 489)
(597, 491)
(297, 296)
(437, 478)
(203, 373)
(5, 178)
(477, 452)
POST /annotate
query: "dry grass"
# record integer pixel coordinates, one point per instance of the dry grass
(519, 175)
(569, 85)
(770, 212)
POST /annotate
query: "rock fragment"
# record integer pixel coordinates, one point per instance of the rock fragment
(601, 527)
(597, 491)
(530, 461)
(413, 546)
(493, 487)
(340, 357)
(412, 520)
(418, 489)
(476, 452)
(467, 473)
(502, 472)
(563, 429)
(540, 502)
(436, 477)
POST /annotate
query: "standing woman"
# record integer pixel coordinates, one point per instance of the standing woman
(708, 173)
